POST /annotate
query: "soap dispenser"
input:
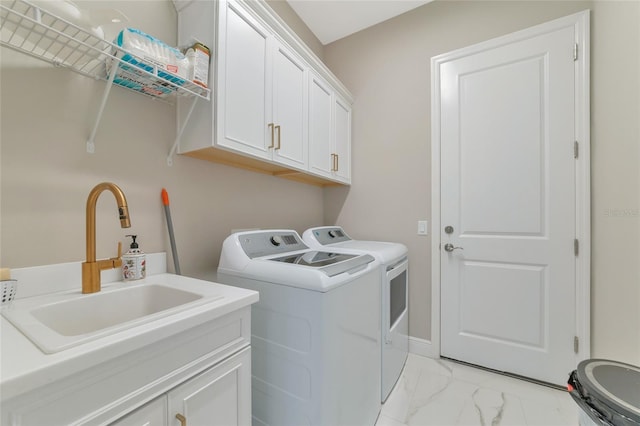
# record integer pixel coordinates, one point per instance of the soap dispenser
(134, 263)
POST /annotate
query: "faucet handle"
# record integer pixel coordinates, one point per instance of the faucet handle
(111, 263)
(116, 262)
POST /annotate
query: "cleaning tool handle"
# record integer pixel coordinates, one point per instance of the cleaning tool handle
(172, 239)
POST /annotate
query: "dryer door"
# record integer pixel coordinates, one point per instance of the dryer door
(395, 317)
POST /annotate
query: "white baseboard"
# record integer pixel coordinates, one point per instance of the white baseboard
(422, 347)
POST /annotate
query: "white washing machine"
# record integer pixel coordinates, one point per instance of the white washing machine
(394, 276)
(315, 330)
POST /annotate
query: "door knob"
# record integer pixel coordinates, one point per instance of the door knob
(450, 247)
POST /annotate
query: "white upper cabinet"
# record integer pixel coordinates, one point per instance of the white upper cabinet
(342, 139)
(267, 115)
(244, 89)
(321, 159)
(329, 132)
(261, 92)
(290, 115)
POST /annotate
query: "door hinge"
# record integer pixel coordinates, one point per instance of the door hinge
(576, 344)
(575, 149)
(575, 52)
(576, 247)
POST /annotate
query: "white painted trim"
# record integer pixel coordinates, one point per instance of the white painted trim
(435, 204)
(583, 185)
(581, 23)
(422, 347)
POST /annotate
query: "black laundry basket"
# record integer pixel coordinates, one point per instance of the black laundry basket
(607, 392)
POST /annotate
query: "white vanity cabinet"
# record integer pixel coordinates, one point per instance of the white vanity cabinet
(153, 413)
(329, 132)
(220, 396)
(202, 373)
(260, 118)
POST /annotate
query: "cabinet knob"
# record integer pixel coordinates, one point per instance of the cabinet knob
(182, 419)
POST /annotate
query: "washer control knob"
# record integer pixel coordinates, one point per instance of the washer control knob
(276, 240)
(333, 233)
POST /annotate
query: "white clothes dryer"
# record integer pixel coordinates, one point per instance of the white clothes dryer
(315, 330)
(394, 276)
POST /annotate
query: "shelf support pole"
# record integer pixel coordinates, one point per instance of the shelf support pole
(91, 142)
(180, 131)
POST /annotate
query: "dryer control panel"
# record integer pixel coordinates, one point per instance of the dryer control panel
(265, 243)
(330, 235)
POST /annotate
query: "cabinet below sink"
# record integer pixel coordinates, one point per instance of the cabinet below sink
(152, 368)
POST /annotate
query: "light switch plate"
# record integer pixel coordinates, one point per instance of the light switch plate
(423, 227)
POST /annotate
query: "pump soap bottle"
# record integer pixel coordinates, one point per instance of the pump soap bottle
(134, 263)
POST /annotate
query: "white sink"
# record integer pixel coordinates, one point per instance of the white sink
(61, 321)
(106, 309)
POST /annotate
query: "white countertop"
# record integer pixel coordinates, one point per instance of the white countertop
(24, 367)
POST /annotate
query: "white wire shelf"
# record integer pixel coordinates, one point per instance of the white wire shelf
(31, 30)
(28, 29)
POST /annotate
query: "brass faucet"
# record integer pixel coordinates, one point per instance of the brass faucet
(92, 267)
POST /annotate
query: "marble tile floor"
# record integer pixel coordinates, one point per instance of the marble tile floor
(441, 392)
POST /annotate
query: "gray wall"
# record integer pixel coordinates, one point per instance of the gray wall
(387, 68)
(46, 174)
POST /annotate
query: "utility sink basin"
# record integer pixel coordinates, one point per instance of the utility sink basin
(89, 314)
(64, 320)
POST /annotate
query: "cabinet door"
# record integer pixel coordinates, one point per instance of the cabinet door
(219, 396)
(153, 413)
(321, 158)
(342, 140)
(289, 108)
(244, 94)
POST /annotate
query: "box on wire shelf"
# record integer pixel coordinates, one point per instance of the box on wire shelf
(140, 51)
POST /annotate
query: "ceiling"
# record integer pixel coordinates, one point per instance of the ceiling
(331, 20)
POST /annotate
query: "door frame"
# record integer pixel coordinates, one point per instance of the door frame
(580, 22)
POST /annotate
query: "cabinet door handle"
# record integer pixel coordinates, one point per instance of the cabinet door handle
(333, 162)
(278, 129)
(271, 126)
(337, 162)
(182, 419)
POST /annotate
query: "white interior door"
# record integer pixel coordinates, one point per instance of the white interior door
(508, 205)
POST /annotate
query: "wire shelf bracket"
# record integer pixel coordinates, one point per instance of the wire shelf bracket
(176, 143)
(91, 146)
